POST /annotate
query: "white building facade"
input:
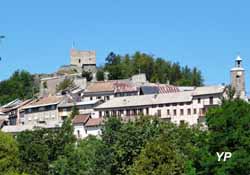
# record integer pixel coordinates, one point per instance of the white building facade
(187, 106)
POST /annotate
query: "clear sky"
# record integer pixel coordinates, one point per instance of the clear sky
(206, 34)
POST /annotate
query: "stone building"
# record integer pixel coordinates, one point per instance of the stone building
(238, 78)
(178, 107)
(41, 111)
(83, 59)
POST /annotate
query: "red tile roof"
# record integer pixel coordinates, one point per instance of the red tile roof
(94, 122)
(111, 85)
(80, 119)
(167, 89)
(100, 86)
(122, 86)
(44, 101)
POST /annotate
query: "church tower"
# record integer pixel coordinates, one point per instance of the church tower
(238, 78)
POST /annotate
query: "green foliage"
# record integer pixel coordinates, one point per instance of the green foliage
(87, 158)
(66, 84)
(126, 140)
(14, 173)
(40, 148)
(34, 152)
(144, 146)
(74, 112)
(156, 70)
(229, 131)
(20, 85)
(45, 86)
(159, 157)
(100, 75)
(8, 153)
(87, 75)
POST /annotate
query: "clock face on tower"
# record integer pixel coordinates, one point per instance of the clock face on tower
(239, 73)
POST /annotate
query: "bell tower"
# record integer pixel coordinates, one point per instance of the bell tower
(238, 78)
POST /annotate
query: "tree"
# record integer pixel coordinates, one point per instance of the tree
(87, 74)
(126, 140)
(14, 173)
(229, 131)
(159, 157)
(66, 84)
(156, 69)
(88, 157)
(20, 85)
(197, 79)
(100, 75)
(8, 153)
(113, 66)
(33, 151)
(74, 112)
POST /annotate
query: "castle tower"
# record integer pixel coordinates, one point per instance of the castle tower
(238, 78)
(86, 60)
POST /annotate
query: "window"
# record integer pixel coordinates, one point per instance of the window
(211, 100)
(100, 113)
(52, 115)
(127, 112)
(134, 111)
(174, 111)
(79, 60)
(107, 113)
(199, 100)
(78, 134)
(189, 111)
(147, 111)
(182, 122)
(159, 113)
(107, 97)
(91, 98)
(195, 111)
(141, 111)
(119, 113)
(182, 112)
(168, 112)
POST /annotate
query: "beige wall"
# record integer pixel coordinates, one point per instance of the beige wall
(35, 117)
(79, 58)
(191, 118)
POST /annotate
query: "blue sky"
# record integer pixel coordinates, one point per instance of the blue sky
(207, 34)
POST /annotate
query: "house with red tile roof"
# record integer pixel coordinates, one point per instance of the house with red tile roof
(84, 126)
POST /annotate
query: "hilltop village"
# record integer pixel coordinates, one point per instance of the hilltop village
(125, 98)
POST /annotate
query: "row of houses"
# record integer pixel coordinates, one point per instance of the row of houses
(49, 112)
(127, 99)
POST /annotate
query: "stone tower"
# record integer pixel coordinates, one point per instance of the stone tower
(86, 60)
(238, 78)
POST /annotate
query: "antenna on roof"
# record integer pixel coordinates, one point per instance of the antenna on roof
(73, 45)
(1, 38)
